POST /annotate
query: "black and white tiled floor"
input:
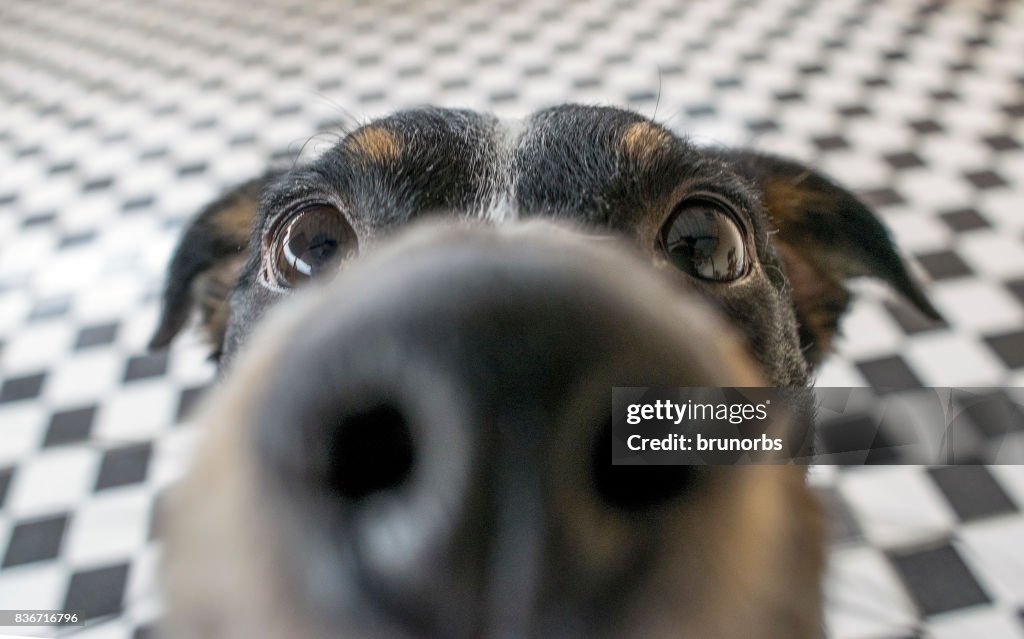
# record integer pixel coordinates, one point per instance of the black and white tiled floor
(118, 119)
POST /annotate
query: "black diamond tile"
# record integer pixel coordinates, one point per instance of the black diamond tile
(889, 373)
(6, 475)
(1017, 289)
(971, 491)
(62, 167)
(961, 220)
(1015, 110)
(187, 402)
(331, 124)
(137, 203)
(857, 440)
(617, 58)
(25, 387)
(69, 426)
(281, 111)
(962, 67)
(945, 95)
(283, 156)
(124, 466)
(882, 197)
(146, 632)
(854, 111)
(329, 84)
(452, 84)
(1009, 347)
(146, 366)
(926, 126)
(938, 579)
(242, 139)
(50, 308)
(943, 265)
(789, 96)
(98, 184)
(700, 110)
(831, 143)
(98, 592)
(39, 219)
(116, 136)
(445, 48)
(985, 179)
(195, 168)
(641, 96)
(76, 239)
(911, 320)
(905, 160)
(153, 154)
(96, 335)
(372, 96)
(1002, 143)
(994, 413)
(763, 125)
(27, 152)
(35, 540)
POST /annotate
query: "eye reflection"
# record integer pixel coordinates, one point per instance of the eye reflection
(704, 241)
(314, 240)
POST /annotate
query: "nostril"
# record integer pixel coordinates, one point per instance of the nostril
(371, 451)
(637, 488)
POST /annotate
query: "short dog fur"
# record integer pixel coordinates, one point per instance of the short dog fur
(472, 251)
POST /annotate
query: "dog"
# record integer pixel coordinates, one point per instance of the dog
(414, 442)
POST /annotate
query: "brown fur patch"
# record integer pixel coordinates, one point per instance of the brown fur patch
(820, 301)
(375, 144)
(211, 291)
(235, 221)
(788, 199)
(643, 141)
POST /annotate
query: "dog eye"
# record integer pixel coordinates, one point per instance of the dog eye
(315, 239)
(701, 238)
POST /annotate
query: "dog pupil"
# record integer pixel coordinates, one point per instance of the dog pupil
(322, 248)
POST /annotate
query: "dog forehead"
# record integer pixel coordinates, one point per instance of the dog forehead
(570, 160)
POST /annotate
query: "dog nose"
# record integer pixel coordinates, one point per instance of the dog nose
(436, 429)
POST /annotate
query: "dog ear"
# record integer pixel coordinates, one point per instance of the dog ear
(206, 265)
(825, 235)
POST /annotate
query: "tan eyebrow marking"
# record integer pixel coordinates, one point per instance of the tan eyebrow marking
(376, 144)
(645, 140)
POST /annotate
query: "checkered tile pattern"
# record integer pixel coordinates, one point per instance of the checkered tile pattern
(119, 119)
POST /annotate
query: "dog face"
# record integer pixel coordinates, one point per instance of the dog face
(414, 446)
